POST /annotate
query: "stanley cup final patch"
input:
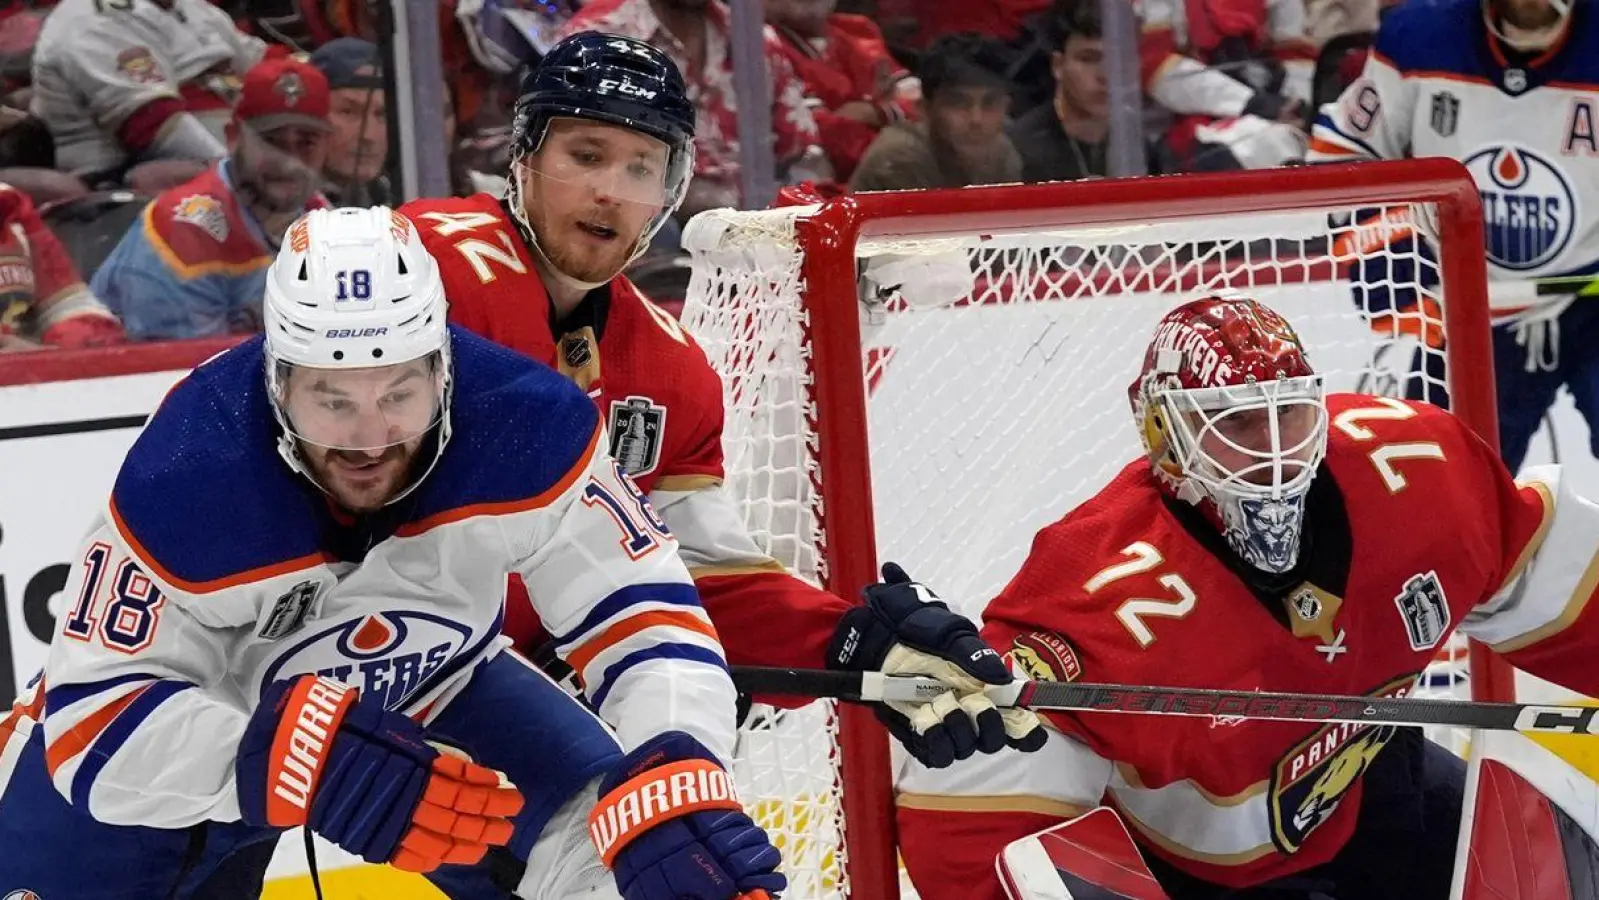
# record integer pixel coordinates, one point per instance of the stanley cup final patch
(290, 611)
(1425, 610)
(637, 426)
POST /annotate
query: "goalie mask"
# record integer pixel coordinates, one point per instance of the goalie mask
(1234, 421)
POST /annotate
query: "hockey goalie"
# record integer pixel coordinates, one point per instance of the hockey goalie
(1277, 539)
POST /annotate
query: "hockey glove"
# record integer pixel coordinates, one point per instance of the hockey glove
(317, 754)
(670, 827)
(904, 629)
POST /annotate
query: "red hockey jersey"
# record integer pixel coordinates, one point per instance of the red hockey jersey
(662, 405)
(1413, 528)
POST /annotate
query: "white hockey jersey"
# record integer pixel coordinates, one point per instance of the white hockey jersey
(216, 571)
(97, 61)
(1438, 83)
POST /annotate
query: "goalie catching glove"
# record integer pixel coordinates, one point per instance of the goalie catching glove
(316, 753)
(904, 629)
(670, 827)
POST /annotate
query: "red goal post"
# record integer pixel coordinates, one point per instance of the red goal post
(777, 301)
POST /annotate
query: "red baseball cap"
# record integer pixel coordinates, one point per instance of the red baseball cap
(279, 92)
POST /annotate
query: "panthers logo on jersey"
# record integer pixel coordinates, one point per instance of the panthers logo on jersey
(1529, 208)
(1311, 780)
(204, 212)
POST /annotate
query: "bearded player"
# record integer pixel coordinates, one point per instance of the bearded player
(602, 154)
(1275, 539)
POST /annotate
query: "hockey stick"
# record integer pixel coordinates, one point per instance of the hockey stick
(1505, 297)
(872, 687)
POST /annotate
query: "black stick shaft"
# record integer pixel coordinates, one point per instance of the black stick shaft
(1148, 700)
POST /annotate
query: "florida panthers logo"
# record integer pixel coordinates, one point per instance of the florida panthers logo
(1309, 782)
(393, 654)
(1529, 207)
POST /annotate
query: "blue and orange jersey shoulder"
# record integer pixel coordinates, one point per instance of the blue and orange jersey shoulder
(203, 499)
(521, 434)
(206, 502)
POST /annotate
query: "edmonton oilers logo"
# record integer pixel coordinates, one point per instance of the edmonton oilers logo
(1527, 204)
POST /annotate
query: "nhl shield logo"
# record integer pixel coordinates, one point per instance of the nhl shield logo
(1424, 609)
(637, 426)
(1306, 604)
(289, 613)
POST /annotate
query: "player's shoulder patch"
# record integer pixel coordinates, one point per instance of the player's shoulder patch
(1045, 656)
(202, 497)
(518, 429)
(139, 64)
(635, 430)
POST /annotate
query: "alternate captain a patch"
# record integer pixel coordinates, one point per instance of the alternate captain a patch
(638, 425)
(1045, 657)
(1425, 610)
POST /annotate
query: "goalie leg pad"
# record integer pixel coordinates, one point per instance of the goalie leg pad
(1091, 857)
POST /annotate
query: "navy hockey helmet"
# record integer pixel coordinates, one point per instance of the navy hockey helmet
(616, 80)
(605, 78)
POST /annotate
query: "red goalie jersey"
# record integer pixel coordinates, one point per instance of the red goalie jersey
(1413, 529)
(662, 405)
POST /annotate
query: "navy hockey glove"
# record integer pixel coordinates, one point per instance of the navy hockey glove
(317, 754)
(670, 827)
(904, 629)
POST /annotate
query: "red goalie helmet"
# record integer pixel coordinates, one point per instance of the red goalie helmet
(1234, 421)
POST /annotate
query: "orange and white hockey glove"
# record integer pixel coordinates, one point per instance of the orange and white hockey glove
(318, 754)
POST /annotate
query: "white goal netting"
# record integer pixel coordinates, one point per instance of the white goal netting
(996, 366)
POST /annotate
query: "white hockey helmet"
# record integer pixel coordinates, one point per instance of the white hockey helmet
(354, 291)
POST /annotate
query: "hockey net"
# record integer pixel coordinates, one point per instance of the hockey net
(930, 377)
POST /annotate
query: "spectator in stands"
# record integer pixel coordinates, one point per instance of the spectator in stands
(120, 82)
(966, 98)
(43, 302)
(1326, 20)
(1237, 78)
(847, 70)
(194, 265)
(1065, 138)
(917, 23)
(359, 151)
(694, 33)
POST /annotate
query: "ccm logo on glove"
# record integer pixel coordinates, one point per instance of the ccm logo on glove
(666, 792)
(301, 750)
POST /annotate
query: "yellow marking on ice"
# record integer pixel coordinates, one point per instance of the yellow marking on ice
(355, 883)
